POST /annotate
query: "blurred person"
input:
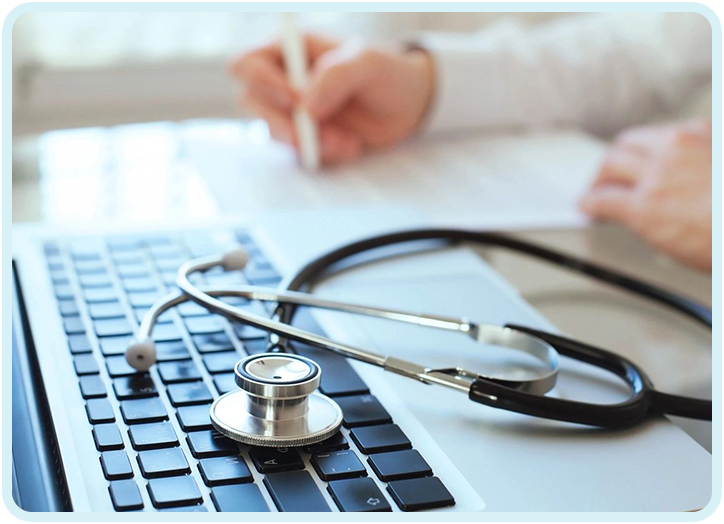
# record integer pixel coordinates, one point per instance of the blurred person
(604, 73)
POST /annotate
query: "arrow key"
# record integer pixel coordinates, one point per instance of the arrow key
(360, 494)
(338, 465)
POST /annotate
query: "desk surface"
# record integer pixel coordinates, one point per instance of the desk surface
(169, 171)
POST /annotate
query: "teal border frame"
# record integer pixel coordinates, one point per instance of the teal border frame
(708, 13)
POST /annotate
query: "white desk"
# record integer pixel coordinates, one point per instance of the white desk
(143, 173)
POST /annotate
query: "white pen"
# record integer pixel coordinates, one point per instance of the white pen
(295, 61)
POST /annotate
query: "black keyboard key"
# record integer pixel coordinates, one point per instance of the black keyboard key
(194, 418)
(174, 491)
(224, 470)
(85, 250)
(122, 245)
(63, 292)
(111, 346)
(92, 386)
(166, 332)
(336, 442)
(271, 460)
(337, 465)
(135, 386)
(68, 308)
(101, 294)
(247, 332)
(204, 325)
(418, 494)
(182, 371)
(107, 437)
(191, 309)
(167, 251)
(55, 260)
(125, 495)
(206, 444)
(130, 270)
(92, 280)
(262, 276)
(253, 347)
(398, 465)
(79, 344)
(152, 436)
(189, 393)
(378, 439)
(239, 497)
(295, 491)
(221, 362)
(173, 350)
(106, 310)
(145, 299)
(169, 280)
(118, 366)
(85, 364)
(165, 318)
(139, 284)
(143, 410)
(116, 465)
(73, 325)
(225, 382)
(99, 410)
(358, 495)
(112, 327)
(363, 410)
(163, 463)
(85, 267)
(59, 276)
(338, 377)
(213, 342)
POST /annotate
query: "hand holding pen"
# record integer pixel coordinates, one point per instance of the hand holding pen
(360, 97)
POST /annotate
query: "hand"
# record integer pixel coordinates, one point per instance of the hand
(362, 97)
(657, 181)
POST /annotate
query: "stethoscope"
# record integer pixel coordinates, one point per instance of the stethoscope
(278, 404)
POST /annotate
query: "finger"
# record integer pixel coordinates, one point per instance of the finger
(266, 80)
(279, 122)
(270, 51)
(613, 203)
(337, 145)
(336, 78)
(317, 45)
(621, 166)
(645, 139)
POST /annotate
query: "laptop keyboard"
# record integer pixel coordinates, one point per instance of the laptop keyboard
(152, 430)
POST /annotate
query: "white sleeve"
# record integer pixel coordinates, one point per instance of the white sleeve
(600, 72)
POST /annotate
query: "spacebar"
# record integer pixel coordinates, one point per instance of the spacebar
(338, 377)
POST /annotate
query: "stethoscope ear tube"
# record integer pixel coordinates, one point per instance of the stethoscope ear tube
(644, 401)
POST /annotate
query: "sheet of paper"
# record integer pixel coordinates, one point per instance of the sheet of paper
(530, 180)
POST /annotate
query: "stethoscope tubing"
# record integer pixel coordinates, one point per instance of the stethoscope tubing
(644, 402)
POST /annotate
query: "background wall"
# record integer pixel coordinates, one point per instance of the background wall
(89, 69)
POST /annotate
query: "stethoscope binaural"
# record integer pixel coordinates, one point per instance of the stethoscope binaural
(278, 405)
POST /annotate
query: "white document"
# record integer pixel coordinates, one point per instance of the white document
(530, 180)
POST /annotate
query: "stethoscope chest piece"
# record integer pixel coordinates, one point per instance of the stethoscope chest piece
(277, 404)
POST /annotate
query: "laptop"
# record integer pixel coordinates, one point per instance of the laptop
(91, 434)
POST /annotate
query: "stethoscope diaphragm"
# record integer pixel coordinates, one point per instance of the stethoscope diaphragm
(277, 403)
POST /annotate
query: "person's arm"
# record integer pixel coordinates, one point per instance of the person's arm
(601, 72)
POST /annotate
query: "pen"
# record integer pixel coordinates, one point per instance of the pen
(295, 61)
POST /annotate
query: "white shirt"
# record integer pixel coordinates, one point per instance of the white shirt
(600, 72)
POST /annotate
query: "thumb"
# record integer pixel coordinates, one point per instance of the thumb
(337, 76)
(615, 203)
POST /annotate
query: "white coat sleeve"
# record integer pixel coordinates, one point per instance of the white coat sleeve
(600, 72)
